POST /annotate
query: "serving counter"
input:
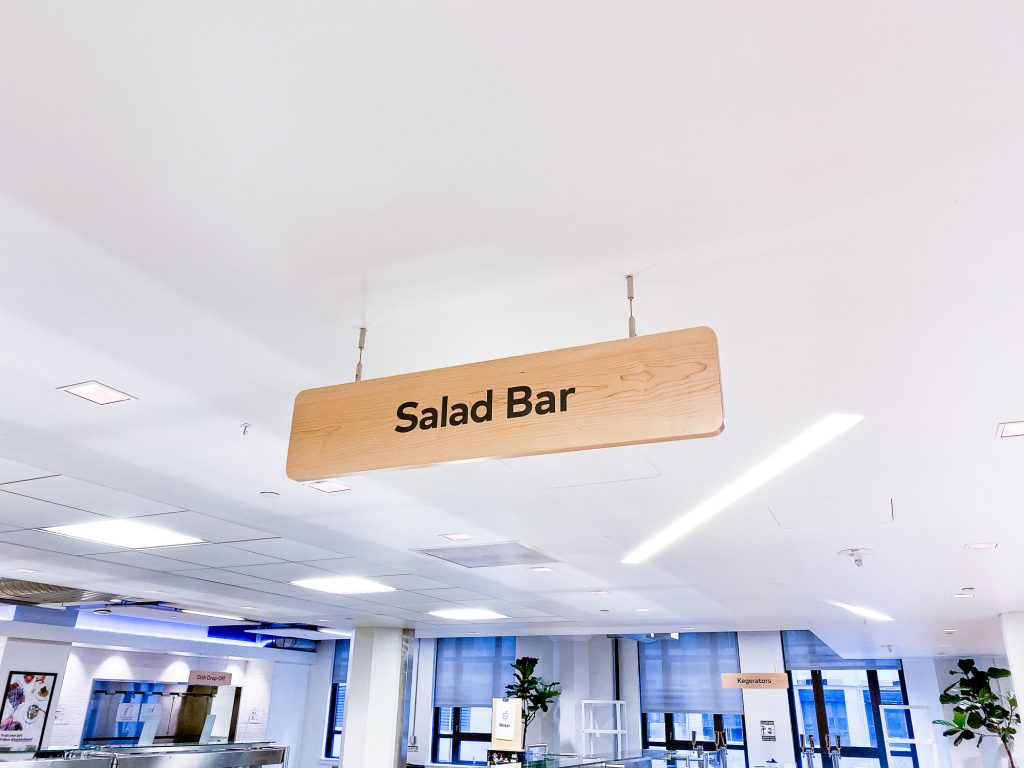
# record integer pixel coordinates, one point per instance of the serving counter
(229, 755)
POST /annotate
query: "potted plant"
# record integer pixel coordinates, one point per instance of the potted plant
(979, 711)
(535, 694)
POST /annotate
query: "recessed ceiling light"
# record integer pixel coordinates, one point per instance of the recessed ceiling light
(963, 595)
(598, 592)
(866, 613)
(950, 631)
(212, 615)
(25, 570)
(804, 444)
(1011, 429)
(102, 611)
(981, 545)
(328, 486)
(153, 592)
(541, 569)
(643, 610)
(336, 632)
(606, 610)
(456, 536)
(97, 393)
(966, 589)
(468, 614)
(248, 607)
(343, 585)
(269, 494)
(125, 533)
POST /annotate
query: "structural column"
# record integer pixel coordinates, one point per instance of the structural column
(767, 707)
(1013, 640)
(375, 698)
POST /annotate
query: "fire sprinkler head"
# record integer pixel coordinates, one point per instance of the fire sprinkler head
(856, 554)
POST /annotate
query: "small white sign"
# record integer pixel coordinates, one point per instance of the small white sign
(128, 712)
(149, 708)
(202, 677)
(505, 720)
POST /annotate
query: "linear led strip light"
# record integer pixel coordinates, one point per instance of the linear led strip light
(804, 444)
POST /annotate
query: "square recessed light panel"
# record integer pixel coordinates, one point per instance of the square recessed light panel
(1011, 429)
(97, 393)
(129, 534)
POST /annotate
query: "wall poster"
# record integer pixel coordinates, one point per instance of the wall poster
(25, 709)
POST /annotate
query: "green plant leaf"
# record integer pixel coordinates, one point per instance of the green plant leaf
(966, 665)
(998, 672)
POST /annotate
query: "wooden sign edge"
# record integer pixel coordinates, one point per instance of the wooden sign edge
(305, 478)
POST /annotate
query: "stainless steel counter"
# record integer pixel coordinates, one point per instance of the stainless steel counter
(209, 756)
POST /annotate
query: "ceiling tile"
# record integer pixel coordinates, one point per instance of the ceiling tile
(89, 496)
(413, 582)
(13, 471)
(456, 594)
(226, 577)
(53, 542)
(19, 512)
(206, 528)
(354, 566)
(212, 555)
(282, 572)
(409, 600)
(140, 559)
(573, 468)
(286, 549)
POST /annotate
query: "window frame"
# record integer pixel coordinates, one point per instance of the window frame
(671, 744)
(334, 728)
(879, 752)
(457, 736)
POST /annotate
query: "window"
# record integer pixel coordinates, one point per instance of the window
(843, 696)
(469, 673)
(682, 700)
(336, 711)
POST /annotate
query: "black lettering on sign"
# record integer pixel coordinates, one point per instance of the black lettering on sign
(520, 401)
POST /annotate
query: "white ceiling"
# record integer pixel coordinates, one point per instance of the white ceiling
(201, 203)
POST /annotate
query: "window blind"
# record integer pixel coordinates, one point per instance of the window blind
(342, 648)
(470, 671)
(685, 675)
(802, 649)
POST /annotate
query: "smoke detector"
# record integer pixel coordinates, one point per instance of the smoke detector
(856, 554)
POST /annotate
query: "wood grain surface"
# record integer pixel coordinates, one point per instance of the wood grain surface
(646, 389)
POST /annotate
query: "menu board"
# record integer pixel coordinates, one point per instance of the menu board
(24, 710)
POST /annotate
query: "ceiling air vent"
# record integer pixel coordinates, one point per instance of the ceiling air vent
(489, 555)
(34, 593)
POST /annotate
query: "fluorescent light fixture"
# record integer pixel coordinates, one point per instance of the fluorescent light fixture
(328, 486)
(248, 607)
(598, 592)
(456, 536)
(866, 613)
(468, 614)
(336, 632)
(963, 595)
(950, 631)
(97, 393)
(1011, 429)
(643, 610)
(130, 534)
(343, 585)
(25, 570)
(981, 545)
(212, 615)
(804, 444)
(541, 569)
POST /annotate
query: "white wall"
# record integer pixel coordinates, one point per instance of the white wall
(287, 710)
(313, 728)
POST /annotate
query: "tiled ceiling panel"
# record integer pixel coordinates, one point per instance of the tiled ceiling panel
(413, 582)
(286, 549)
(227, 577)
(13, 471)
(23, 512)
(283, 572)
(206, 528)
(354, 566)
(53, 542)
(89, 496)
(140, 559)
(212, 555)
(408, 600)
(457, 594)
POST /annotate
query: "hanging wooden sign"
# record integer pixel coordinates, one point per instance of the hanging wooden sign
(755, 680)
(645, 389)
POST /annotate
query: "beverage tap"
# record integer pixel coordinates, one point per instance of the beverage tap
(835, 752)
(722, 748)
